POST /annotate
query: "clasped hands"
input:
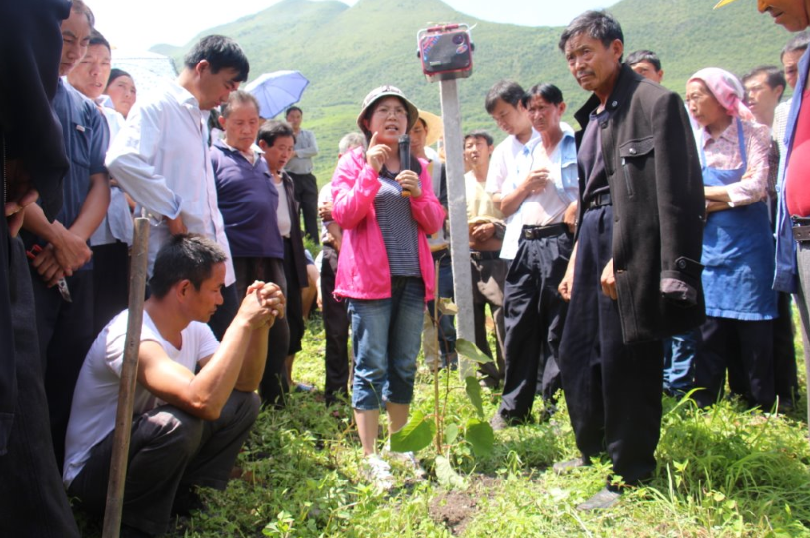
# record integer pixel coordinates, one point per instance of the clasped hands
(263, 303)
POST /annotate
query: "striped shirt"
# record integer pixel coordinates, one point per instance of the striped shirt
(398, 227)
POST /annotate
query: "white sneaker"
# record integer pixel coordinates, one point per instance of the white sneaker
(408, 459)
(378, 472)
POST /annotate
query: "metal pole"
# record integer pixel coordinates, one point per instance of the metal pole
(129, 374)
(459, 232)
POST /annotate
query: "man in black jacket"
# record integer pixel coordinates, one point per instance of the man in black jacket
(32, 500)
(634, 276)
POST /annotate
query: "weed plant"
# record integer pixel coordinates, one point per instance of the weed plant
(722, 472)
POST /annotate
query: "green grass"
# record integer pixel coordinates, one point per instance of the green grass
(722, 472)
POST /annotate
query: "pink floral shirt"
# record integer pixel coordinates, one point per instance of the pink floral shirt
(724, 154)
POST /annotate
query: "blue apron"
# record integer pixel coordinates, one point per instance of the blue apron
(738, 252)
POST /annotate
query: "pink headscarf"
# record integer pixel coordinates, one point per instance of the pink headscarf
(726, 88)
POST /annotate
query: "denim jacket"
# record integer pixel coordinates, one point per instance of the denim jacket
(786, 277)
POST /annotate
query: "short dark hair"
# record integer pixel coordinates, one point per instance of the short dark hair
(798, 42)
(480, 133)
(773, 75)
(97, 39)
(507, 91)
(222, 53)
(241, 97)
(599, 25)
(293, 109)
(549, 93)
(184, 257)
(272, 129)
(117, 73)
(644, 55)
(80, 7)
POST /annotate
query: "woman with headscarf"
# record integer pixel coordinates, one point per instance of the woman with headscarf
(385, 268)
(738, 251)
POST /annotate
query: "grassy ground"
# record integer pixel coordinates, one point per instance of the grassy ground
(725, 472)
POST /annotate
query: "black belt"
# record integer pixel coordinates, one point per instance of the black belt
(801, 229)
(539, 232)
(441, 253)
(598, 200)
(485, 255)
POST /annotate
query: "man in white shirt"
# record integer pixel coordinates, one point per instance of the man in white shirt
(161, 156)
(503, 103)
(540, 202)
(187, 428)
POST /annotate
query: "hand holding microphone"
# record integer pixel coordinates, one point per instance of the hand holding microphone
(407, 178)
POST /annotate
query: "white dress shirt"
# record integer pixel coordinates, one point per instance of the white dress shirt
(502, 163)
(117, 223)
(161, 159)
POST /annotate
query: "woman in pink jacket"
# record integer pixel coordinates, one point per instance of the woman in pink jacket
(385, 269)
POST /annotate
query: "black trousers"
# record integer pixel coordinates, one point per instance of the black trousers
(110, 283)
(169, 451)
(306, 192)
(65, 336)
(273, 386)
(613, 389)
(295, 305)
(32, 499)
(744, 347)
(534, 320)
(785, 375)
(336, 327)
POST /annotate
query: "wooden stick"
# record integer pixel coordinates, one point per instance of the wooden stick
(436, 407)
(129, 375)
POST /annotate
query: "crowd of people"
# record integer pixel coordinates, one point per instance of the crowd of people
(654, 250)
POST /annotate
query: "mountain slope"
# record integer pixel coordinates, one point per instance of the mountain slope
(345, 52)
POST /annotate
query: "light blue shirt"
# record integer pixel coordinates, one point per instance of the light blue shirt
(786, 277)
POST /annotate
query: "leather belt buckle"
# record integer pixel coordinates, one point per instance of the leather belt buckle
(801, 233)
(599, 200)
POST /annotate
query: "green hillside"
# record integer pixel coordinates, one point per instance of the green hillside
(347, 51)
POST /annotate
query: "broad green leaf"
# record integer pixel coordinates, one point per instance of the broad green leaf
(415, 435)
(480, 436)
(448, 477)
(451, 434)
(474, 392)
(447, 307)
(470, 351)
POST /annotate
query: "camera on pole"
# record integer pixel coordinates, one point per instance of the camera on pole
(446, 55)
(445, 51)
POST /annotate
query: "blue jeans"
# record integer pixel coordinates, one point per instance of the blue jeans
(386, 339)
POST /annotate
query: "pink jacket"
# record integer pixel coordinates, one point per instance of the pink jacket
(363, 271)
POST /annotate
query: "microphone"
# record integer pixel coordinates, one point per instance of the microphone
(405, 158)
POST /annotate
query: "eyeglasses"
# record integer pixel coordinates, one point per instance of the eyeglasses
(385, 111)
